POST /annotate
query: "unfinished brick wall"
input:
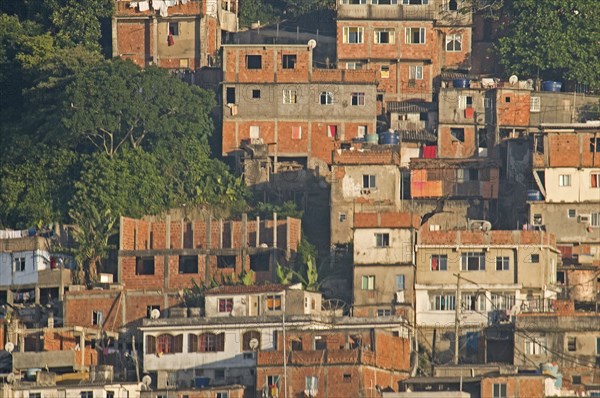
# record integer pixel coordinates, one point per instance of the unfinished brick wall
(79, 308)
(513, 107)
(451, 147)
(571, 150)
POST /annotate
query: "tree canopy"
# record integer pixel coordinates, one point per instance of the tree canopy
(552, 39)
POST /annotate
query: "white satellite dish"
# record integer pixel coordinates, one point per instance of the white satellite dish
(155, 313)
(312, 43)
(253, 344)
(10, 378)
(146, 380)
(9, 347)
(513, 79)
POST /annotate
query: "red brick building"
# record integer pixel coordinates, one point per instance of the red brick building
(177, 34)
(273, 96)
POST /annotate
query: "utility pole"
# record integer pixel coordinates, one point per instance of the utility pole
(456, 318)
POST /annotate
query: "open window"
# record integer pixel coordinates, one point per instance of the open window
(144, 265)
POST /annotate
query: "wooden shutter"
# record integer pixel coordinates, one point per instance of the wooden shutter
(150, 345)
(178, 343)
(192, 343)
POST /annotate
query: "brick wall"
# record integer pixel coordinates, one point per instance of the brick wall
(450, 147)
(566, 150)
(513, 107)
(515, 386)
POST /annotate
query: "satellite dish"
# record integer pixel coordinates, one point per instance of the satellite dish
(253, 344)
(513, 79)
(9, 347)
(146, 380)
(312, 43)
(10, 378)
(155, 313)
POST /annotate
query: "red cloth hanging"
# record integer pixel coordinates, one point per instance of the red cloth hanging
(170, 40)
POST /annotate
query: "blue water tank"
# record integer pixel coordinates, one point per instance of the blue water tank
(534, 195)
(461, 83)
(372, 138)
(200, 382)
(551, 86)
(389, 138)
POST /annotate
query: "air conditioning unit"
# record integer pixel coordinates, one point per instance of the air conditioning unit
(583, 218)
(400, 297)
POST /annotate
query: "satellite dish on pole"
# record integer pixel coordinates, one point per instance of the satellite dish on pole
(10, 378)
(253, 344)
(155, 313)
(312, 43)
(9, 347)
(146, 380)
(513, 79)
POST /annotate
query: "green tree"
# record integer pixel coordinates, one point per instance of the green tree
(252, 11)
(301, 7)
(552, 38)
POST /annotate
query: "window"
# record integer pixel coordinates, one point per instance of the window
(288, 61)
(384, 71)
(165, 344)
(35, 395)
(385, 2)
(254, 132)
(219, 374)
(595, 144)
(443, 302)
(361, 131)
(571, 213)
(111, 394)
(19, 263)
(210, 342)
(502, 263)
(273, 382)
(358, 99)
(384, 36)
(415, 72)
(564, 180)
(230, 95)
(256, 94)
(451, 5)
(247, 340)
(254, 61)
(368, 282)
(439, 262)
(353, 65)
(382, 240)
(352, 35)
(499, 390)
(502, 301)
(296, 132)
(415, 2)
(320, 343)
(458, 133)
(332, 131)
(347, 377)
(144, 265)
(188, 264)
(369, 181)
(342, 217)
(595, 180)
(535, 258)
(311, 382)
(400, 282)
(326, 98)
(290, 96)
(97, 318)
(297, 344)
(222, 394)
(572, 344)
(225, 304)
(274, 302)
(86, 394)
(384, 312)
(473, 302)
(415, 35)
(535, 346)
(575, 379)
(226, 262)
(174, 28)
(507, 99)
(465, 101)
(454, 42)
(595, 220)
(534, 104)
(473, 261)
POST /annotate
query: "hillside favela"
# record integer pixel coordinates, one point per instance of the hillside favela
(299, 198)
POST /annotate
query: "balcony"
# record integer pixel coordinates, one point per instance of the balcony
(53, 359)
(192, 7)
(386, 12)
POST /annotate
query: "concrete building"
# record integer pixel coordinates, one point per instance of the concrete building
(566, 338)
(384, 264)
(177, 35)
(407, 43)
(272, 95)
(32, 270)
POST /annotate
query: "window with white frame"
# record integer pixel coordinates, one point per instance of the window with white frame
(222, 394)
(385, 2)
(472, 261)
(290, 96)
(354, 1)
(499, 390)
(443, 302)
(595, 220)
(415, 72)
(311, 383)
(368, 282)
(225, 305)
(384, 312)
(326, 98)
(534, 104)
(382, 240)
(369, 181)
(358, 99)
(502, 301)
(400, 282)
(465, 101)
(453, 42)
(571, 213)
(439, 262)
(535, 346)
(502, 263)
(353, 65)
(353, 35)
(564, 180)
(384, 36)
(86, 394)
(473, 302)
(415, 2)
(274, 302)
(19, 264)
(415, 35)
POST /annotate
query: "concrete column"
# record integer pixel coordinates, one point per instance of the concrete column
(257, 231)
(244, 239)
(115, 41)
(220, 233)
(82, 347)
(155, 41)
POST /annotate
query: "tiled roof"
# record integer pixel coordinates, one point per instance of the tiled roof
(417, 136)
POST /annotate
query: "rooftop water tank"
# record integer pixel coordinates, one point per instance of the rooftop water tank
(461, 83)
(389, 137)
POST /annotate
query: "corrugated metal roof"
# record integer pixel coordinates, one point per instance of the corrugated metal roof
(410, 106)
(417, 136)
